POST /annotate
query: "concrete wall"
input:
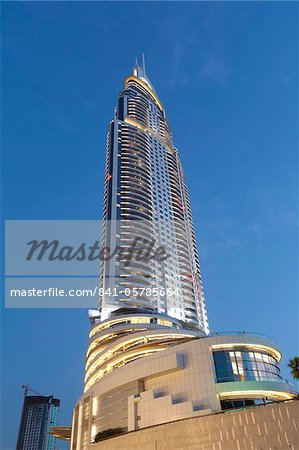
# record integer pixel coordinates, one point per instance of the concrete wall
(269, 427)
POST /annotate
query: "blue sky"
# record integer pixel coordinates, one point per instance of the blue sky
(226, 73)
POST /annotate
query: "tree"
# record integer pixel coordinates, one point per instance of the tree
(294, 365)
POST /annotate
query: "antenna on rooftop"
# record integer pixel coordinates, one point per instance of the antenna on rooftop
(143, 62)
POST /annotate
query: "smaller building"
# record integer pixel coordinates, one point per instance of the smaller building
(39, 414)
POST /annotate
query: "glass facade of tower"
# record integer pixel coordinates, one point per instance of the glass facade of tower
(145, 194)
(39, 414)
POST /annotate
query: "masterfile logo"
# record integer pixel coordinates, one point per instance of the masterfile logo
(57, 263)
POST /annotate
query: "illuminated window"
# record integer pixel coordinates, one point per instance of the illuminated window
(164, 322)
(140, 320)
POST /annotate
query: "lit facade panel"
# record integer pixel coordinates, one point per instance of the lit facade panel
(150, 359)
(171, 373)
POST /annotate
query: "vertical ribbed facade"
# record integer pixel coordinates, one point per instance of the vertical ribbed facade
(145, 195)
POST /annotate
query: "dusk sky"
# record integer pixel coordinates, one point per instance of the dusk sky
(227, 75)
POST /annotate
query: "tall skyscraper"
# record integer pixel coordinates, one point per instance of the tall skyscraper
(145, 183)
(39, 414)
(150, 358)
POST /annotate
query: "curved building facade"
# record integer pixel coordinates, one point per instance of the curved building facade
(144, 369)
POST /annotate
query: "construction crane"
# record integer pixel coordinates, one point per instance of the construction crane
(26, 388)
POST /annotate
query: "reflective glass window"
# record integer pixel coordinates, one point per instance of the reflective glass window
(241, 365)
